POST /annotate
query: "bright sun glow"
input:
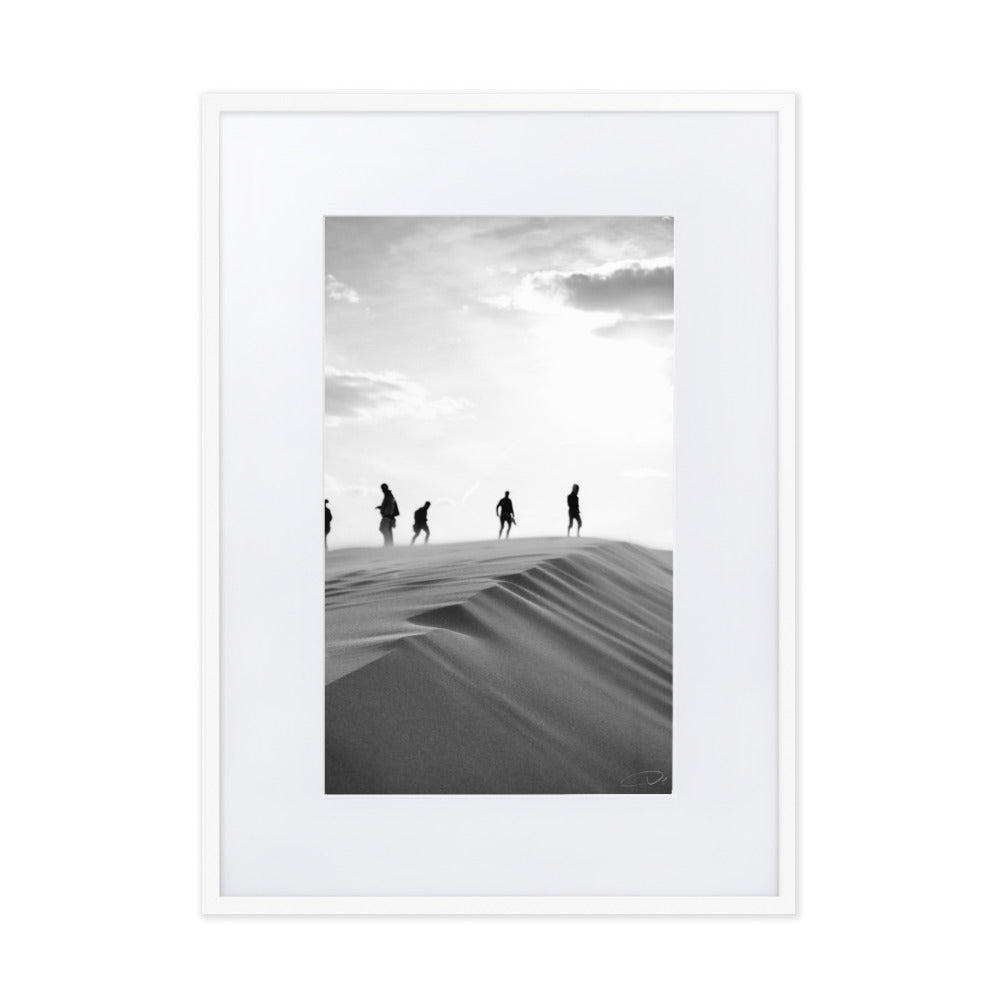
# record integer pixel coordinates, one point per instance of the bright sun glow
(466, 357)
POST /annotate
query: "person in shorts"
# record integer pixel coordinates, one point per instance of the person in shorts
(505, 511)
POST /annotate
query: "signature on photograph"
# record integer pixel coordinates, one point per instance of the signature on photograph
(644, 779)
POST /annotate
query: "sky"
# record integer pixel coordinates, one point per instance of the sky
(469, 356)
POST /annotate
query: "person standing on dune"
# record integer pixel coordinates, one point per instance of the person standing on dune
(573, 502)
(329, 521)
(389, 511)
(505, 511)
(420, 523)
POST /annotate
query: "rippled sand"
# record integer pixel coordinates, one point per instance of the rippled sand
(529, 666)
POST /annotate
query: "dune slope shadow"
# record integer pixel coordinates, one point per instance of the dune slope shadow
(553, 679)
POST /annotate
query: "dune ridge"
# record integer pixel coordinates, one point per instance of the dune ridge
(541, 666)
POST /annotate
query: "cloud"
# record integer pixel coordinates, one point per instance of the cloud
(367, 396)
(339, 292)
(643, 287)
(647, 473)
(650, 327)
(499, 301)
(623, 288)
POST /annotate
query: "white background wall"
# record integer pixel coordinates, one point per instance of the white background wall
(898, 490)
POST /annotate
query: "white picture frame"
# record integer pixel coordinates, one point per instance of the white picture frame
(649, 111)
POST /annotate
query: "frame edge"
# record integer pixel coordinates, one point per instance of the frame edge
(212, 106)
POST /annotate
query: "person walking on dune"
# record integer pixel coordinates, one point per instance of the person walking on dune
(505, 511)
(389, 511)
(573, 502)
(420, 523)
(329, 521)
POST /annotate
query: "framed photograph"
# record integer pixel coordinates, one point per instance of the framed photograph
(535, 354)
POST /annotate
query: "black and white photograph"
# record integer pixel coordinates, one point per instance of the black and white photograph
(499, 505)
(545, 304)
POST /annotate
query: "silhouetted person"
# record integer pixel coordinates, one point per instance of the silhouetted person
(505, 511)
(573, 502)
(329, 521)
(420, 523)
(389, 511)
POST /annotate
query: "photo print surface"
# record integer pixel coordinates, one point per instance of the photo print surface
(498, 470)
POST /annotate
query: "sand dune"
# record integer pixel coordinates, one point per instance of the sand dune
(529, 666)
